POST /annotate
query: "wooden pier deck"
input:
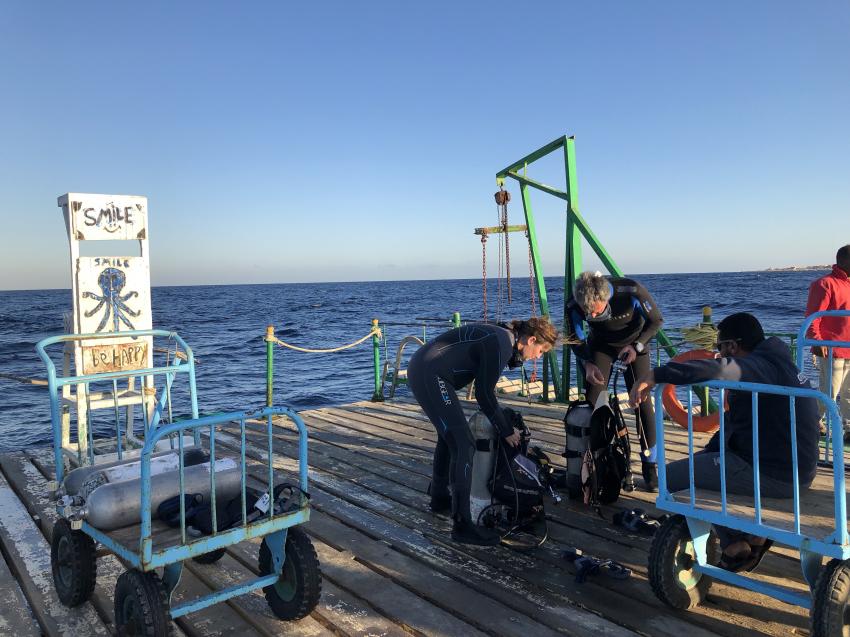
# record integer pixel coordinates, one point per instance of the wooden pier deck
(389, 564)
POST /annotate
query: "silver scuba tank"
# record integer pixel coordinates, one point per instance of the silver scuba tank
(118, 504)
(577, 426)
(83, 480)
(482, 465)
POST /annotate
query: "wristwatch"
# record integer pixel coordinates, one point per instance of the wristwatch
(640, 348)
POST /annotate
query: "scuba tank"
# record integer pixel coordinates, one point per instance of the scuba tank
(577, 428)
(83, 480)
(117, 504)
(486, 445)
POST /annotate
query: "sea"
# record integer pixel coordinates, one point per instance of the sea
(225, 326)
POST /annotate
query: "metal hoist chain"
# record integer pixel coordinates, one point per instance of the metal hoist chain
(502, 198)
(531, 277)
(484, 272)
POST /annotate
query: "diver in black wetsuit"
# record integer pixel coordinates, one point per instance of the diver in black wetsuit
(451, 361)
(623, 317)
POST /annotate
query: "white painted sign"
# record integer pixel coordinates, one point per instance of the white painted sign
(111, 293)
(99, 217)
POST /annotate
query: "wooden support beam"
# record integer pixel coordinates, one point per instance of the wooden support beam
(500, 229)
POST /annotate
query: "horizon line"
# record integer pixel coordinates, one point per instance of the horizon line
(549, 276)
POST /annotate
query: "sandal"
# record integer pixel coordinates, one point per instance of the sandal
(735, 564)
(587, 565)
(757, 555)
(636, 521)
(747, 562)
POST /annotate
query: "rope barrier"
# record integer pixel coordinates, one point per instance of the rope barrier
(24, 379)
(702, 336)
(375, 332)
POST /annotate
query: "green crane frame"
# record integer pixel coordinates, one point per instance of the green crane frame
(576, 228)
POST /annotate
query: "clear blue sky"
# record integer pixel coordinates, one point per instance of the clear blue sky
(336, 141)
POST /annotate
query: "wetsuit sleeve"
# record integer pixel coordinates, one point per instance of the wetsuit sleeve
(818, 300)
(577, 337)
(647, 306)
(751, 369)
(489, 368)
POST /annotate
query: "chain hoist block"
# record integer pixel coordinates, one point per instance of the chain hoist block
(502, 197)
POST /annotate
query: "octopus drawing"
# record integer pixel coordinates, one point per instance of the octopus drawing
(111, 282)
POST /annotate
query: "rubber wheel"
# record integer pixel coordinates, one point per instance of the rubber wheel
(141, 606)
(297, 592)
(211, 557)
(671, 561)
(830, 615)
(73, 562)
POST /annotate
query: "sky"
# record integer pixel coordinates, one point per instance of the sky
(349, 141)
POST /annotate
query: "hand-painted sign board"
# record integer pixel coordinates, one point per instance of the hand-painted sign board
(115, 358)
(110, 293)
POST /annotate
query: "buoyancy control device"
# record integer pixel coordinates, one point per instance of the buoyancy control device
(597, 448)
(508, 483)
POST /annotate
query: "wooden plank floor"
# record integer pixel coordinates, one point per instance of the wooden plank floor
(389, 564)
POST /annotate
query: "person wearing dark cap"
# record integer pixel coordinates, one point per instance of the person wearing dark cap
(745, 355)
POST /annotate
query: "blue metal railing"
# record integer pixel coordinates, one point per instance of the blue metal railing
(804, 340)
(151, 421)
(830, 543)
(147, 559)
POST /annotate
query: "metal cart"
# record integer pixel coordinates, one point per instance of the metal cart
(288, 564)
(682, 557)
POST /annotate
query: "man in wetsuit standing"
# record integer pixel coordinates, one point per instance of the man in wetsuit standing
(476, 352)
(622, 317)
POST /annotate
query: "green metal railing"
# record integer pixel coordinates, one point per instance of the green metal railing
(577, 228)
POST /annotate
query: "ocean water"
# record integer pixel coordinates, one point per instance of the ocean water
(225, 325)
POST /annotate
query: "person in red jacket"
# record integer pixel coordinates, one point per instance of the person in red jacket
(832, 292)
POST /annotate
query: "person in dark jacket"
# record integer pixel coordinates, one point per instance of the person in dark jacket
(476, 352)
(746, 356)
(623, 317)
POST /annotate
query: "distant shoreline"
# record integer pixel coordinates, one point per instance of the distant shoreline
(799, 268)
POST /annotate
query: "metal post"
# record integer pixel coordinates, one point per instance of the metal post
(456, 319)
(269, 364)
(377, 396)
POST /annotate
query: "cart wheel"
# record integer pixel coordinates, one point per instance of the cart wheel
(211, 557)
(73, 562)
(830, 610)
(671, 561)
(297, 591)
(141, 607)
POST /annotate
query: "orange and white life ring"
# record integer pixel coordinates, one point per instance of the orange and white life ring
(675, 409)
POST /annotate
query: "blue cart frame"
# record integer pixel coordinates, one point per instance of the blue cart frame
(270, 526)
(812, 550)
